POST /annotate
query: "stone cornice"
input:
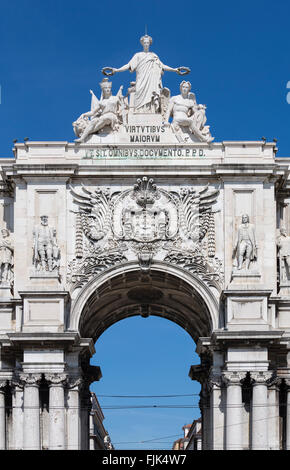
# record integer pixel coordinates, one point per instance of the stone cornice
(221, 171)
(67, 339)
(223, 144)
(220, 160)
(36, 170)
(43, 293)
(248, 337)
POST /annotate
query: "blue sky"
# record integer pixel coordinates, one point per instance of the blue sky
(146, 356)
(52, 53)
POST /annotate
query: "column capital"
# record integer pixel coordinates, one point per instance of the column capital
(287, 382)
(75, 382)
(3, 383)
(261, 377)
(233, 377)
(16, 382)
(274, 381)
(30, 379)
(215, 381)
(56, 379)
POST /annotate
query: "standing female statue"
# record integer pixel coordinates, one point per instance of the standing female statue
(149, 69)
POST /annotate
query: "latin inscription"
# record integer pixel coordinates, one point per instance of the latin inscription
(143, 153)
(145, 133)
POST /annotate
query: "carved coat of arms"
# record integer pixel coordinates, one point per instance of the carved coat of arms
(144, 214)
(145, 221)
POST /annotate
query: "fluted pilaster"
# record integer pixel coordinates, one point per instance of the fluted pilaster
(31, 431)
(234, 409)
(56, 383)
(73, 413)
(260, 410)
(3, 384)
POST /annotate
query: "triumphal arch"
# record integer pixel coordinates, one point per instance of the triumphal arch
(144, 213)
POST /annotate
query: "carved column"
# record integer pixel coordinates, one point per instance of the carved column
(204, 405)
(73, 414)
(201, 373)
(273, 414)
(17, 414)
(260, 410)
(90, 374)
(234, 437)
(56, 384)
(287, 382)
(3, 384)
(217, 412)
(85, 412)
(31, 429)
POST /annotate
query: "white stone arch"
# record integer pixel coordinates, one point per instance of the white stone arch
(208, 302)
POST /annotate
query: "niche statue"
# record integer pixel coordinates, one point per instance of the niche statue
(6, 258)
(46, 253)
(283, 244)
(245, 247)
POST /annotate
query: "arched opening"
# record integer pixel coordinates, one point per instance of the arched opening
(146, 396)
(164, 291)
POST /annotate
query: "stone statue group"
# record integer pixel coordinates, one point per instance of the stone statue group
(147, 96)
